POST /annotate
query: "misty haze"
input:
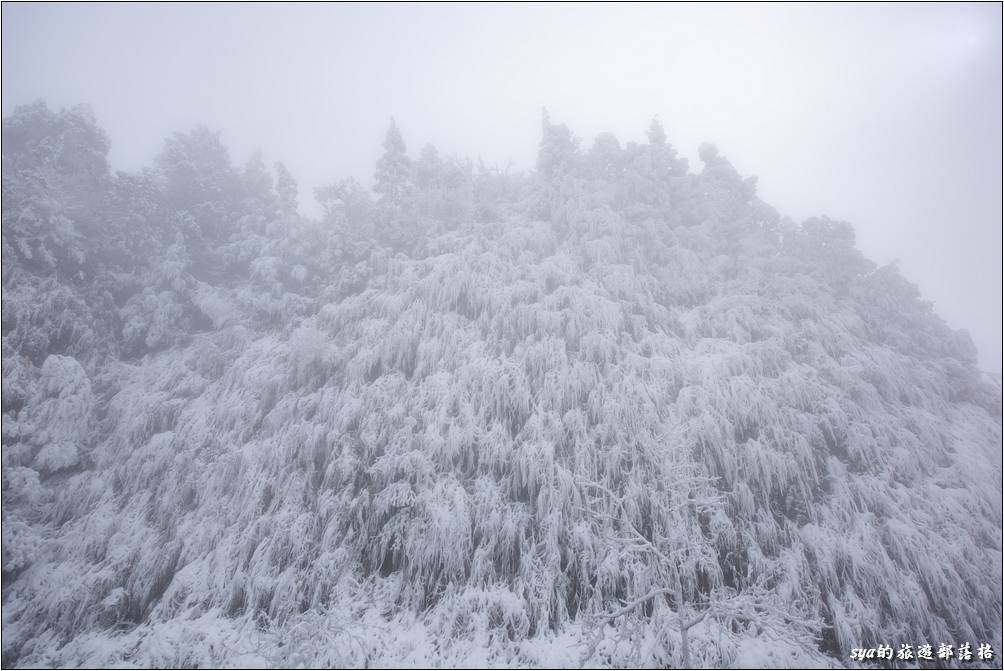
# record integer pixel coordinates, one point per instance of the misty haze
(501, 336)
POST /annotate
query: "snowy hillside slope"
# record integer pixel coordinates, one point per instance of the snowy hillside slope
(611, 412)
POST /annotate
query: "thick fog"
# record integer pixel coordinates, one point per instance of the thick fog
(886, 116)
(624, 389)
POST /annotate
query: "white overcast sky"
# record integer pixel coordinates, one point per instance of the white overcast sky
(884, 115)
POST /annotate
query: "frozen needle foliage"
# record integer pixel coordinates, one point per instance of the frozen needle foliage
(612, 412)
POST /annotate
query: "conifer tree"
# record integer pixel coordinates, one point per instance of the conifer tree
(395, 187)
(557, 149)
(286, 188)
(393, 169)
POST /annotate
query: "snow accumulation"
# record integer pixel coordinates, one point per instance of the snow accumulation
(610, 413)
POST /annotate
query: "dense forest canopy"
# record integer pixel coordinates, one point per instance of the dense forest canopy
(613, 402)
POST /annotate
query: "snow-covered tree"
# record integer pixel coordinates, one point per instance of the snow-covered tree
(394, 184)
(610, 403)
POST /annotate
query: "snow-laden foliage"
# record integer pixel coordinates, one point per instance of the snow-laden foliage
(612, 404)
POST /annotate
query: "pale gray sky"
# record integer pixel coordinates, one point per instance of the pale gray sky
(888, 116)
